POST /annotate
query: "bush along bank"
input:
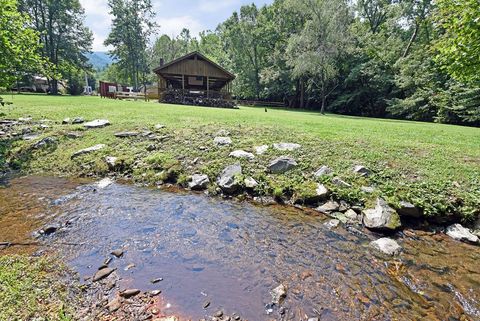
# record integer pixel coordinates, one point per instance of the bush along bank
(268, 168)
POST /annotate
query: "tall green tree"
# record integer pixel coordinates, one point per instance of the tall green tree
(278, 23)
(132, 26)
(378, 58)
(168, 49)
(242, 39)
(63, 36)
(459, 43)
(18, 44)
(315, 51)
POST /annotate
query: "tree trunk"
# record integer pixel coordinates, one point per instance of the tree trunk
(54, 87)
(324, 97)
(322, 110)
(412, 39)
(302, 94)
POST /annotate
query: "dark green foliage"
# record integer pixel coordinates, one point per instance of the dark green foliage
(377, 58)
(459, 43)
(18, 44)
(63, 37)
(132, 26)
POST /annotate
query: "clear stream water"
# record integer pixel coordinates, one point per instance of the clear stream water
(233, 253)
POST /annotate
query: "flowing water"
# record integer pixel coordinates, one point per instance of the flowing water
(233, 253)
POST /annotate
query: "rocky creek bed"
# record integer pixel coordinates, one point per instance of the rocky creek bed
(144, 253)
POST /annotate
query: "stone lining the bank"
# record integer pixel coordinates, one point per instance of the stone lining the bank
(230, 182)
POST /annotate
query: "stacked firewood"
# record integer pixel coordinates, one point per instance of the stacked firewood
(177, 97)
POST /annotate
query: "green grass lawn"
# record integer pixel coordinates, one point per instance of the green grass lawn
(436, 167)
(33, 289)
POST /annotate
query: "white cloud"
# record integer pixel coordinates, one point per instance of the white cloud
(98, 43)
(94, 6)
(172, 26)
(98, 20)
(212, 6)
(172, 16)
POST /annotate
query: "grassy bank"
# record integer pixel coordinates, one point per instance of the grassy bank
(436, 167)
(32, 288)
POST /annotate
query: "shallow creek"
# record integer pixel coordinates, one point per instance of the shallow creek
(233, 253)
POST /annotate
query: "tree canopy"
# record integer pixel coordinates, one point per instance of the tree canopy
(413, 59)
(64, 38)
(459, 42)
(18, 44)
(132, 26)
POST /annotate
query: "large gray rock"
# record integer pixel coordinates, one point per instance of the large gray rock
(328, 207)
(222, 141)
(88, 150)
(261, 149)
(242, 154)
(250, 182)
(321, 191)
(78, 120)
(361, 170)
(281, 165)
(97, 123)
(228, 179)
(351, 216)
(460, 233)
(386, 246)
(73, 135)
(126, 134)
(47, 141)
(286, 146)
(382, 217)
(323, 171)
(199, 182)
(408, 209)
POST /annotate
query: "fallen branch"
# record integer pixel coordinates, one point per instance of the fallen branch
(4, 245)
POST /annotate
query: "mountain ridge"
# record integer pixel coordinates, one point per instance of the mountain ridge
(99, 59)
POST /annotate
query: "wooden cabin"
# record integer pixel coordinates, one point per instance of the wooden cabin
(194, 80)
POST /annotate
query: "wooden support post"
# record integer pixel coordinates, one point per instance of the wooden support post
(183, 88)
(208, 87)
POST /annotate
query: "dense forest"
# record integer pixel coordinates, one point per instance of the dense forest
(407, 59)
(414, 60)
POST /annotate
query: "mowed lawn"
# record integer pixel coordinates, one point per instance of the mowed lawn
(434, 166)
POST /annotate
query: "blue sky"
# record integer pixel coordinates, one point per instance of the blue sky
(172, 16)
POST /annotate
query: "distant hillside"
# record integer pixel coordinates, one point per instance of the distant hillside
(99, 59)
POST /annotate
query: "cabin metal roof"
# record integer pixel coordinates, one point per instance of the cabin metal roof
(159, 69)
